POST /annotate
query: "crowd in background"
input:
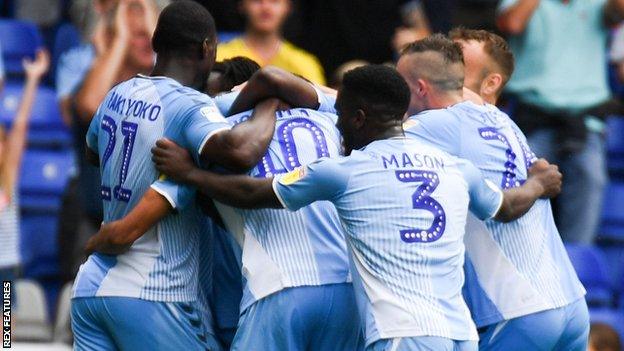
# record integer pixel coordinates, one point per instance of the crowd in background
(559, 93)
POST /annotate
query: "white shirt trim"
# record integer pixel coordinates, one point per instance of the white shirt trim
(501, 196)
(207, 137)
(164, 194)
(277, 194)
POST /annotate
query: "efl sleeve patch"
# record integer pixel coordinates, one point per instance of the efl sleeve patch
(212, 114)
(293, 176)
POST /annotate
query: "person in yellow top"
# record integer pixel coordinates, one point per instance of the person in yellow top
(263, 41)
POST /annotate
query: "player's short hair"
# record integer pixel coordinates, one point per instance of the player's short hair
(236, 70)
(378, 89)
(494, 46)
(182, 28)
(442, 62)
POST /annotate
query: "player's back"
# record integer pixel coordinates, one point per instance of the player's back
(283, 248)
(404, 208)
(162, 264)
(533, 272)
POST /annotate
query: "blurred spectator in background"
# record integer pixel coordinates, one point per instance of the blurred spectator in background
(45, 14)
(336, 79)
(603, 338)
(616, 54)
(415, 26)
(561, 87)
(475, 14)
(117, 45)
(12, 145)
(263, 41)
(440, 14)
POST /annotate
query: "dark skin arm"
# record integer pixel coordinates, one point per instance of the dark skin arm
(240, 148)
(544, 182)
(247, 192)
(274, 82)
(239, 191)
(116, 237)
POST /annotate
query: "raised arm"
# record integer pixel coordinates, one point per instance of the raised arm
(116, 237)
(544, 181)
(274, 82)
(106, 66)
(240, 148)
(16, 138)
(514, 19)
(235, 190)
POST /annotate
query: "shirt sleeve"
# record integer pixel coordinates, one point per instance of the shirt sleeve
(201, 123)
(224, 101)
(327, 102)
(92, 132)
(323, 179)
(178, 195)
(71, 70)
(437, 128)
(486, 198)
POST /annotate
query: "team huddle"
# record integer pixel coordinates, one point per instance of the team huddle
(403, 212)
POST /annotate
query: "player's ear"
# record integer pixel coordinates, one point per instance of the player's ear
(209, 49)
(421, 87)
(359, 119)
(491, 84)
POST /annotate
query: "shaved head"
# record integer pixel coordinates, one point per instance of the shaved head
(433, 67)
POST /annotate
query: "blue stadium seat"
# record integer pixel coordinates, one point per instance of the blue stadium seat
(39, 245)
(66, 38)
(612, 317)
(593, 271)
(44, 176)
(43, 179)
(615, 146)
(615, 135)
(612, 226)
(19, 39)
(46, 123)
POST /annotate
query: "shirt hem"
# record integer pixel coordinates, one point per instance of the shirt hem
(521, 312)
(125, 293)
(335, 279)
(412, 333)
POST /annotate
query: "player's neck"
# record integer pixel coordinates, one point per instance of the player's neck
(387, 133)
(178, 69)
(445, 100)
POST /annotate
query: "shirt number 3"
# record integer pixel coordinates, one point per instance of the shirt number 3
(422, 200)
